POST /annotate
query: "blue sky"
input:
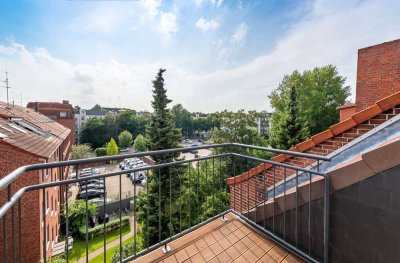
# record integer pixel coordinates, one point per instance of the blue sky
(218, 53)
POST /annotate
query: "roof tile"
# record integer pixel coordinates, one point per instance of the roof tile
(366, 114)
(389, 102)
(343, 126)
(304, 146)
(322, 136)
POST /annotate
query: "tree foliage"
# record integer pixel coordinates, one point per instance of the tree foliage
(183, 119)
(112, 147)
(140, 143)
(77, 214)
(125, 139)
(80, 151)
(319, 92)
(288, 127)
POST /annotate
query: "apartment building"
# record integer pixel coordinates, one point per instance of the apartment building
(29, 137)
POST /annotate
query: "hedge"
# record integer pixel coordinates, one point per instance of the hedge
(102, 151)
(99, 229)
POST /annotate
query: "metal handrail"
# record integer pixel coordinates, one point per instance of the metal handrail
(12, 200)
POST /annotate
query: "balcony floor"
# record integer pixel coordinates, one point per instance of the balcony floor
(218, 241)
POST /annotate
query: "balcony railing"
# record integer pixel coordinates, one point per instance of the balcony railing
(179, 191)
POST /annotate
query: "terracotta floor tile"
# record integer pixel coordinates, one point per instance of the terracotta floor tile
(240, 246)
(207, 254)
(181, 255)
(197, 258)
(233, 253)
(224, 257)
(170, 259)
(231, 227)
(246, 230)
(247, 241)
(254, 236)
(214, 260)
(187, 261)
(265, 244)
(225, 230)
(232, 238)
(266, 259)
(250, 257)
(277, 253)
(291, 259)
(217, 235)
(224, 242)
(258, 251)
(200, 244)
(209, 239)
(241, 259)
(191, 250)
(239, 234)
(216, 248)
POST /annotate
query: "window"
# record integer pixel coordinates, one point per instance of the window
(63, 114)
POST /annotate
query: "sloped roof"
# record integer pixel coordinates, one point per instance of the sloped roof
(42, 138)
(358, 118)
(95, 112)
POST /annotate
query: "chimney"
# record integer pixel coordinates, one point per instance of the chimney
(65, 101)
(37, 106)
(346, 111)
(378, 73)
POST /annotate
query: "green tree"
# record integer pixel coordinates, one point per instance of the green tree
(162, 134)
(81, 151)
(112, 147)
(77, 214)
(319, 92)
(125, 139)
(97, 107)
(94, 132)
(140, 143)
(288, 128)
(183, 119)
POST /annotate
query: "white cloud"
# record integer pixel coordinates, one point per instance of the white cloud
(239, 36)
(206, 25)
(215, 3)
(167, 23)
(330, 34)
(152, 7)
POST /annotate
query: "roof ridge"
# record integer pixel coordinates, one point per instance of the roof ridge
(357, 118)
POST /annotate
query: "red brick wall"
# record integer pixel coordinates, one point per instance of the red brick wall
(378, 73)
(245, 194)
(346, 112)
(30, 204)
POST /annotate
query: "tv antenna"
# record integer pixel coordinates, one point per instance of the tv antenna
(6, 86)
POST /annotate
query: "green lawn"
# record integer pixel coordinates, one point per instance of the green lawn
(79, 246)
(110, 252)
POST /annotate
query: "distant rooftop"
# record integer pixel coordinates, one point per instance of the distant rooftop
(30, 131)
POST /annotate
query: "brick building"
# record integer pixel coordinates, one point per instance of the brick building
(377, 101)
(28, 137)
(63, 113)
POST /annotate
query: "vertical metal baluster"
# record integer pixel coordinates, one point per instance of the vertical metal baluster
(134, 214)
(206, 187)
(309, 216)
(104, 223)
(265, 193)
(20, 232)
(220, 178)
(234, 185)
(87, 219)
(159, 205)
(190, 196)
(297, 205)
(284, 203)
(180, 205)
(66, 224)
(241, 189)
(44, 225)
(76, 171)
(5, 237)
(197, 191)
(147, 210)
(248, 188)
(273, 206)
(213, 179)
(170, 209)
(12, 226)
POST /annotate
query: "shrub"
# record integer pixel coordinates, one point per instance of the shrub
(99, 229)
(102, 151)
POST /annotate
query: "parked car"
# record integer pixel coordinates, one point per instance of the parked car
(92, 221)
(144, 181)
(137, 177)
(99, 201)
(92, 181)
(194, 151)
(92, 186)
(85, 174)
(91, 193)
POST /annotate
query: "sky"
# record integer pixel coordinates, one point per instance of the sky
(219, 54)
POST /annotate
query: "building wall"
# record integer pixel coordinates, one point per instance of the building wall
(29, 204)
(346, 112)
(378, 73)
